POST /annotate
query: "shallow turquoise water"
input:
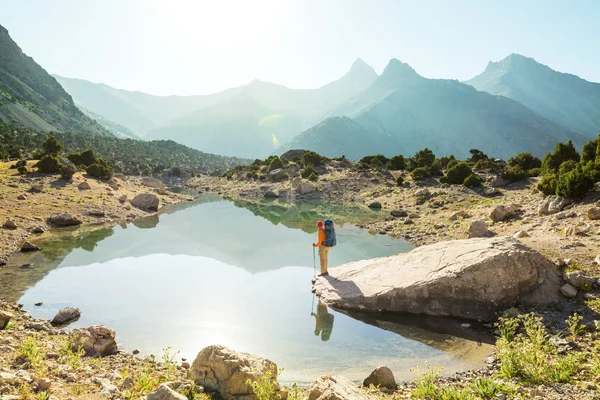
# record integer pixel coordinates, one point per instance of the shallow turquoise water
(215, 272)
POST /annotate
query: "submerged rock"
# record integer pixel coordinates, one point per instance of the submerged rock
(226, 371)
(66, 315)
(29, 247)
(474, 278)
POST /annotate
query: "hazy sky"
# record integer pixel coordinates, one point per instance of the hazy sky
(195, 46)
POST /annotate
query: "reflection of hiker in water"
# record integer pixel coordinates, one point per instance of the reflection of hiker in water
(323, 323)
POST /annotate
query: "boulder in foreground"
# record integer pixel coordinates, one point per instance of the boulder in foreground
(471, 278)
(226, 371)
(96, 341)
(336, 388)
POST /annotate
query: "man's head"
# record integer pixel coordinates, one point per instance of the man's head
(320, 224)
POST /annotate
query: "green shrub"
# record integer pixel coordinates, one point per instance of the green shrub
(310, 158)
(100, 170)
(48, 164)
(52, 146)
(562, 152)
(472, 181)
(515, 174)
(575, 183)
(530, 356)
(313, 177)
(276, 163)
(534, 172)
(38, 154)
(592, 170)
(525, 160)
(547, 185)
(423, 158)
(451, 163)
(476, 156)
(376, 163)
(457, 174)
(435, 169)
(589, 151)
(419, 173)
(22, 169)
(308, 171)
(397, 163)
(399, 181)
(567, 166)
(67, 172)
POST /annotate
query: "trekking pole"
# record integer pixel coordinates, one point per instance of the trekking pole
(314, 262)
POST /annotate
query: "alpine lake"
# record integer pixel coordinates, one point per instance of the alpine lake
(236, 273)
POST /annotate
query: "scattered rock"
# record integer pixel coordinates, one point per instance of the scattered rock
(107, 388)
(39, 304)
(336, 388)
(458, 214)
(445, 279)
(84, 186)
(375, 205)
(478, 229)
(146, 202)
(185, 365)
(226, 371)
(127, 383)
(64, 219)
(29, 247)
(5, 318)
(512, 312)
(97, 213)
(269, 194)
(40, 325)
(408, 221)
(502, 212)
(381, 377)
(305, 188)
(580, 280)
(36, 188)
(422, 193)
(123, 198)
(38, 229)
(520, 234)
(10, 224)
(153, 183)
(164, 392)
(277, 174)
(22, 197)
(43, 384)
(552, 205)
(491, 191)
(568, 290)
(66, 316)
(398, 213)
(499, 181)
(594, 213)
(597, 259)
(96, 341)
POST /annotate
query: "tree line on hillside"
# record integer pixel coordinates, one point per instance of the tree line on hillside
(126, 156)
(564, 171)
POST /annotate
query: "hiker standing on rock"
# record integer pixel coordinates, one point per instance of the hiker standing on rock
(325, 240)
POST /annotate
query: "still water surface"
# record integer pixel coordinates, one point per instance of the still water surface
(238, 274)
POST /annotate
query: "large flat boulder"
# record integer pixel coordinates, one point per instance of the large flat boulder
(472, 278)
(146, 202)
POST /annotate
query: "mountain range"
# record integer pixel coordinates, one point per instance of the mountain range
(515, 105)
(29, 96)
(403, 112)
(563, 98)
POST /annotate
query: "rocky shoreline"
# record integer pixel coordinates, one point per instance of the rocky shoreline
(31, 206)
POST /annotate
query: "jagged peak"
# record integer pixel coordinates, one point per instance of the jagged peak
(396, 70)
(513, 60)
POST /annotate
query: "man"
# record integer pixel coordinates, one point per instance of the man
(323, 322)
(323, 250)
